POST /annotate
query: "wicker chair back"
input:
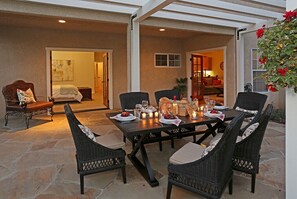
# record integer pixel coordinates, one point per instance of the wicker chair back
(247, 152)
(129, 100)
(166, 93)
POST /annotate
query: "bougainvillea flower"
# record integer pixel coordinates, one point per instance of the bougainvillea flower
(262, 60)
(282, 71)
(260, 32)
(289, 15)
(271, 87)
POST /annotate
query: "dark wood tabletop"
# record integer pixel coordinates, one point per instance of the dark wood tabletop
(151, 125)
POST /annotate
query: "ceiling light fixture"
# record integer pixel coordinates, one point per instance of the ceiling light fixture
(62, 21)
(162, 29)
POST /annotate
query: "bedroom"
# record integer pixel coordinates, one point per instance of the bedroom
(78, 77)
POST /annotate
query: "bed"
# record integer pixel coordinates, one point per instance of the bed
(65, 93)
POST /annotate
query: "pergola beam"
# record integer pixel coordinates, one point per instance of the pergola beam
(276, 3)
(150, 8)
(234, 7)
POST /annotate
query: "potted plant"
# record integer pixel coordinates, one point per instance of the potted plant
(181, 86)
(278, 52)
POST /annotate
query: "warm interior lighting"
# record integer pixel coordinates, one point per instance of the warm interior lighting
(162, 29)
(62, 21)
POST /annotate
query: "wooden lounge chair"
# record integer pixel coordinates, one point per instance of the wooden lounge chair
(14, 106)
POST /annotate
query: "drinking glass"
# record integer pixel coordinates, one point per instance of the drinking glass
(138, 110)
(144, 104)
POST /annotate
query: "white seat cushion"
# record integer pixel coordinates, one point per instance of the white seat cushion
(219, 136)
(250, 130)
(86, 130)
(190, 152)
(110, 141)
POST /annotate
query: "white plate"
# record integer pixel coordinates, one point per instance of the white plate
(122, 119)
(167, 121)
(208, 114)
(220, 107)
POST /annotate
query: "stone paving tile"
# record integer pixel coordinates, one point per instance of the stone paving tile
(39, 162)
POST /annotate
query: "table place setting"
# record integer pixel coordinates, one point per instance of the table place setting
(215, 114)
(124, 117)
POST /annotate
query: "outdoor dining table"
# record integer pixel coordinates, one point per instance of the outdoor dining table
(143, 128)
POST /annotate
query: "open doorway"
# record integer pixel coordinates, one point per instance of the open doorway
(205, 72)
(79, 77)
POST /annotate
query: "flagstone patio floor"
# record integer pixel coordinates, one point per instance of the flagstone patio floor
(39, 162)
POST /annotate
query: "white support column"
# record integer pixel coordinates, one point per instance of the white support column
(134, 72)
(291, 134)
(240, 63)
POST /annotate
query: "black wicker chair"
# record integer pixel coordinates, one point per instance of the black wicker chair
(128, 102)
(166, 93)
(247, 152)
(248, 101)
(92, 157)
(209, 175)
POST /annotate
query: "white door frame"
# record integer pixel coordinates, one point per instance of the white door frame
(48, 67)
(189, 65)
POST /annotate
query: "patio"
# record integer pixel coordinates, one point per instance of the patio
(39, 162)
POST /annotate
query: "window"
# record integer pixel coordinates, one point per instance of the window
(167, 60)
(259, 84)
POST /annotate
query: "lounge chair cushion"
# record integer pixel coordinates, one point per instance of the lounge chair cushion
(25, 96)
(190, 152)
(110, 141)
(86, 130)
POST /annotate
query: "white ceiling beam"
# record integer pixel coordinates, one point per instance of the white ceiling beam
(128, 2)
(88, 5)
(234, 7)
(150, 8)
(199, 19)
(210, 13)
(277, 3)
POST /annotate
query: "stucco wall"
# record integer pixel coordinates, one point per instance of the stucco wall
(23, 55)
(152, 78)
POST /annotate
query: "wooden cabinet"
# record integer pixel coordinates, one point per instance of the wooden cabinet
(86, 93)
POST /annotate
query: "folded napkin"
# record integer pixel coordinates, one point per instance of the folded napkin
(175, 122)
(221, 117)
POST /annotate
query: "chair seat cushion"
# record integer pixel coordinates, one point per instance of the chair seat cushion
(190, 152)
(110, 141)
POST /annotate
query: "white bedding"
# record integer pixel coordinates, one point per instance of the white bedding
(66, 93)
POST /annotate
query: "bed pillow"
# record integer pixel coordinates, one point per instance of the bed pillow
(88, 132)
(25, 96)
(249, 130)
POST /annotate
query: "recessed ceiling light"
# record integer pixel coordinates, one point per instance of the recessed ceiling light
(162, 29)
(62, 21)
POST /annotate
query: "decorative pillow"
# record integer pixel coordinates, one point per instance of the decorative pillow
(88, 132)
(25, 96)
(209, 148)
(249, 130)
(247, 111)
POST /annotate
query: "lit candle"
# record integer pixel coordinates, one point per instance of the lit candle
(151, 114)
(143, 115)
(201, 108)
(156, 114)
(194, 115)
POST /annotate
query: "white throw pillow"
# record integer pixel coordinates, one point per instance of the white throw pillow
(209, 148)
(25, 96)
(254, 112)
(249, 130)
(88, 132)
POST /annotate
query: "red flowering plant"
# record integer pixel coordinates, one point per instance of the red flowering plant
(278, 52)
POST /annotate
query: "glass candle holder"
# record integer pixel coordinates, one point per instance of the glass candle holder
(151, 114)
(194, 115)
(156, 114)
(143, 115)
